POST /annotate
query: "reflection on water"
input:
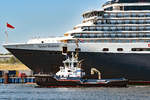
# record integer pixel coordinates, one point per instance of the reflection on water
(29, 92)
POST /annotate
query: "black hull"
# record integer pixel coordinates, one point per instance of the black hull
(135, 67)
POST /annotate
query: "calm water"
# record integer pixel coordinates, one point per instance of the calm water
(29, 92)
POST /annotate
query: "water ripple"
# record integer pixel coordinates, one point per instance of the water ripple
(29, 92)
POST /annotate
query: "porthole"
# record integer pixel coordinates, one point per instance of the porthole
(120, 49)
(105, 49)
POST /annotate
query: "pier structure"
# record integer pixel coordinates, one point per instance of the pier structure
(16, 80)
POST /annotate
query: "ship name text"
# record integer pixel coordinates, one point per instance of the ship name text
(48, 46)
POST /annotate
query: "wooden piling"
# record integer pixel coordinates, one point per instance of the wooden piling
(6, 77)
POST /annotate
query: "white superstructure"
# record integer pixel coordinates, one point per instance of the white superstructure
(120, 27)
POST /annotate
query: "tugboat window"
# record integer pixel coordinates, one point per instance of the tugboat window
(75, 64)
(67, 64)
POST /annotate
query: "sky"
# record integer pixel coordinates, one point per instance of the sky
(41, 18)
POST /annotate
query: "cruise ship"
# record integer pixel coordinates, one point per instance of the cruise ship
(114, 39)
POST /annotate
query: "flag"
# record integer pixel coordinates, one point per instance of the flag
(10, 26)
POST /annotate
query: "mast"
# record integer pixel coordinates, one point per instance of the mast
(77, 49)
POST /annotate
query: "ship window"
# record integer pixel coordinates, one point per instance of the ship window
(105, 49)
(148, 21)
(147, 35)
(119, 35)
(127, 41)
(106, 41)
(147, 40)
(98, 28)
(141, 21)
(133, 15)
(113, 35)
(120, 21)
(98, 40)
(105, 15)
(147, 15)
(99, 35)
(106, 28)
(127, 21)
(109, 9)
(120, 41)
(120, 49)
(134, 35)
(127, 28)
(134, 28)
(141, 40)
(42, 41)
(91, 35)
(113, 28)
(130, 1)
(126, 15)
(136, 8)
(147, 28)
(112, 15)
(127, 35)
(77, 35)
(141, 35)
(134, 41)
(113, 41)
(77, 50)
(121, 7)
(64, 50)
(140, 49)
(69, 70)
(112, 21)
(71, 41)
(134, 21)
(84, 35)
(106, 35)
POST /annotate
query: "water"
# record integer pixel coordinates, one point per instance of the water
(29, 92)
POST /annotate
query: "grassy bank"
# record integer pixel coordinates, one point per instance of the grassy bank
(12, 60)
(12, 64)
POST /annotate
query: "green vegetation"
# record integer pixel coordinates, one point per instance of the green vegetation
(6, 53)
(12, 60)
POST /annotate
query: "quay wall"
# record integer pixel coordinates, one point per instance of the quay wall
(17, 80)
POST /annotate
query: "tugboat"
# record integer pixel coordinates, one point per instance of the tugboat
(72, 75)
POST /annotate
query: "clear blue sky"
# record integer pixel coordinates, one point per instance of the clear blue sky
(33, 18)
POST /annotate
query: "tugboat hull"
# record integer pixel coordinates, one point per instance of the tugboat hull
(48, 81)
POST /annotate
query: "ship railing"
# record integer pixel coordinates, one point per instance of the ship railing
(47, 37)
